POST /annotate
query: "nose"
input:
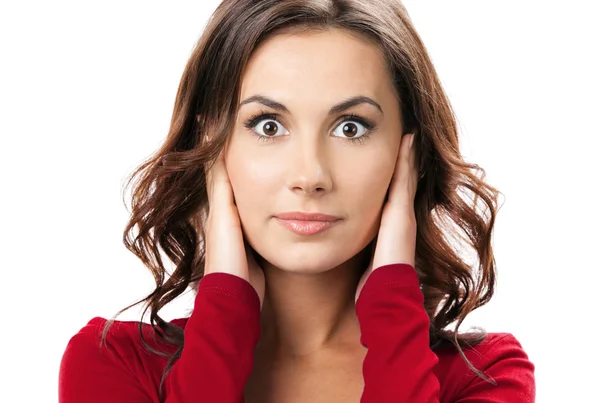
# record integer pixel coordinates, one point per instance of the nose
(309, 167)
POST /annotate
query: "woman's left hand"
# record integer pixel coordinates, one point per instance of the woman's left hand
(397, 237)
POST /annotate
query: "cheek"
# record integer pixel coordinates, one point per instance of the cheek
(368, 189)
(369, 185)
(251, 180)
(248, 169)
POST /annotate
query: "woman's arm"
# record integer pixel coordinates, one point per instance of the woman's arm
(399, 365)
(214, 366)
(220, 338)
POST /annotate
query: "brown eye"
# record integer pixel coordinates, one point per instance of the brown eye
(269, 128)
(351, 130)
(265, 127)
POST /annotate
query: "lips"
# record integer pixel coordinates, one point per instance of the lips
(299, 216)
(306, 223)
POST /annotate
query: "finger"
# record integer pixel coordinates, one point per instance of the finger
(413, 160)
(207, 169)
(217, 182)
(410, 168)
(410, 172)
(399, 185)
(222, 193)
(408, 157)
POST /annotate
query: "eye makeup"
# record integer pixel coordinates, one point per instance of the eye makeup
(369, 126)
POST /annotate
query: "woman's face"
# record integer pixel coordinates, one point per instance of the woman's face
(309, 160)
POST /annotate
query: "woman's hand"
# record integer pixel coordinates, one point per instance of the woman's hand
(226, 250)
(397, 237)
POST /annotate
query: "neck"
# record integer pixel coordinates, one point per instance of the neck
(306, 313)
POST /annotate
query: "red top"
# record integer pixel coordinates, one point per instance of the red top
(221, 333)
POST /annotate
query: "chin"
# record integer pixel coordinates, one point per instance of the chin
(303, 264)
(306, 257)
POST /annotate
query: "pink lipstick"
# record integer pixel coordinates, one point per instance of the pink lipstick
(306, 223)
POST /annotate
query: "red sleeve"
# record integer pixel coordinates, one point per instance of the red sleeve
(216, 361)
(220, 338)
(399, 364)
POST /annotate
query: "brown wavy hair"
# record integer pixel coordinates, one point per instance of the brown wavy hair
(455, 208)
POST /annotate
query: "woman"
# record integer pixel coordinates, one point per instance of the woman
(314, 151)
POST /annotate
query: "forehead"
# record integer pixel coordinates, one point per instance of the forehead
(326, 65)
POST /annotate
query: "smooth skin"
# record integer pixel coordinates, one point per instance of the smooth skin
(308, 285)
(227, 252)
(307, 162)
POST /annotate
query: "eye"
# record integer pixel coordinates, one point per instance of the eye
(265, 125)
(351, 129)
(353, 134)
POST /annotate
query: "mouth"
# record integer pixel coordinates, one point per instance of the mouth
(306, 223)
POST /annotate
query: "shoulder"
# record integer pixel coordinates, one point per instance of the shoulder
(121, 358)
(493, 347)
(119, 333)
(500, 356)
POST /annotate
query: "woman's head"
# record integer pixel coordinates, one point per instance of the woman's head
(309, 55)
(306, 158)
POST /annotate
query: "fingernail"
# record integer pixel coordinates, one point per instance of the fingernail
(412, 137)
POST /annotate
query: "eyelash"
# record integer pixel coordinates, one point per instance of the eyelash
(263, 115)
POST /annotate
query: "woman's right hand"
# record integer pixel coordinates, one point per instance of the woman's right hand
(225, 249)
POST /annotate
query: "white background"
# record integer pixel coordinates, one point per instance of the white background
(86, 93)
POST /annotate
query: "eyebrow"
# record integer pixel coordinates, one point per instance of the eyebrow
(342, 106)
